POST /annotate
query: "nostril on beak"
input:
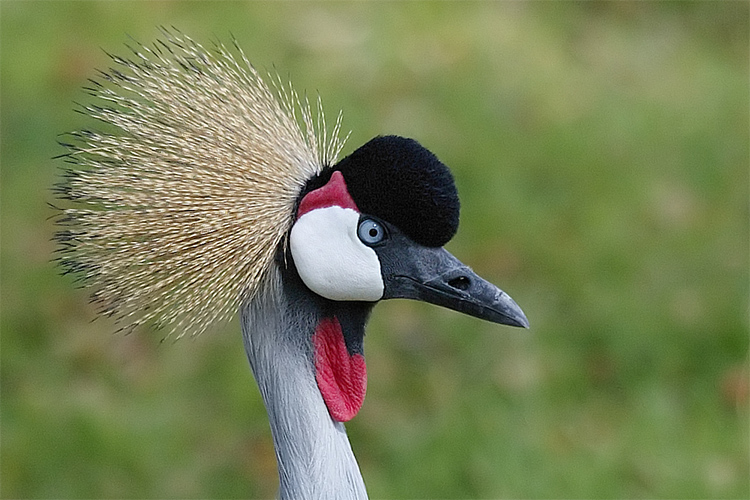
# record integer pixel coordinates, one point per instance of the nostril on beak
(460, 282)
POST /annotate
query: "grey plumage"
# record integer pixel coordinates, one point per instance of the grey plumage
(313, 453)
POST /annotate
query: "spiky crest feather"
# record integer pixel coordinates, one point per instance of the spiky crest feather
(179, 208)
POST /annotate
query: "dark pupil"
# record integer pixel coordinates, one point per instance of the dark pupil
(373, 232)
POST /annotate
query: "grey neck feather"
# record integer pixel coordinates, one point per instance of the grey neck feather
(314, 456)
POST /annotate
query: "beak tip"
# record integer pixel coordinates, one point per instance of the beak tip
(519, 320)
(512, 313)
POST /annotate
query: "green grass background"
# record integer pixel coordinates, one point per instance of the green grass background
(601, 153)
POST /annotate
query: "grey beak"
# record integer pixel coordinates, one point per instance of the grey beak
(434, 275)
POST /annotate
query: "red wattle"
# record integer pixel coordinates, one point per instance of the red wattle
(334, 193)
(342, 379)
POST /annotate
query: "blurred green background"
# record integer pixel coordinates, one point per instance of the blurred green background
(601, 153)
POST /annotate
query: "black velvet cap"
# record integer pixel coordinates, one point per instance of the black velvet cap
(401, 182)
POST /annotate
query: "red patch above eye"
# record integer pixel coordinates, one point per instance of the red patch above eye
(342, 379)
(334, 193)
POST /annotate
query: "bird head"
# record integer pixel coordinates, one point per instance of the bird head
(373, 227)
(376, 227)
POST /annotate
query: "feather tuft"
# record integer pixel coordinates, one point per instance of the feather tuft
(177, 206)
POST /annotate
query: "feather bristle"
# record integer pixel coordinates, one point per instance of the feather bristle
(180, 205)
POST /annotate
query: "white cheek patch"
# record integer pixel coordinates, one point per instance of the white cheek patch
(331, 259)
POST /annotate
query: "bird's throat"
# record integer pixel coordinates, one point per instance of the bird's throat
(341, 375)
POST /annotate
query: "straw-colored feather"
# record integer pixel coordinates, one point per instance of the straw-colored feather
(180, 203)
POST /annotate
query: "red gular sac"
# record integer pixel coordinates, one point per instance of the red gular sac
(341, 377)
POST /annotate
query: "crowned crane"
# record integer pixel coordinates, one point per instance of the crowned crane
(210, 191)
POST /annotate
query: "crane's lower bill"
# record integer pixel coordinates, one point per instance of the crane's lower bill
(434, 275)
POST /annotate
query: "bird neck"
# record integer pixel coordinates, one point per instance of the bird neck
(315, 459)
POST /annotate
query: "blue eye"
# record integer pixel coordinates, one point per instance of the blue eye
(370, 232)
